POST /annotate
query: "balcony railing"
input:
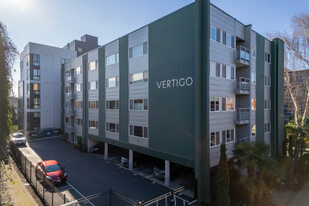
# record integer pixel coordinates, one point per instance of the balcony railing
(242, 115)
(71, 112)
(243, 139)
(71, 128)
(242, 85)
(71, 79)
(70, 95)
(242, 56)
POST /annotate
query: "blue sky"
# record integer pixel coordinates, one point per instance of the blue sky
(57, 22)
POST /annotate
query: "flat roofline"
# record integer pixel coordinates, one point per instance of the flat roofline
(48, 46)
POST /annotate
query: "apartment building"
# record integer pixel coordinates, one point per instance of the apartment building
(39, 88)
(298, 81)
(177, 88)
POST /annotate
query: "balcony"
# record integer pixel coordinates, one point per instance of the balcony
(71, 79)
(70, 95)
(242, 85)
(242, 116)
(71, 128)
(242, 56)
(71, 112)
(242, 139)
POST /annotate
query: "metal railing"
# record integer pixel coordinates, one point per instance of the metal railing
(242, 115)
(242, 85)
(70, 95)
(71, 79)
(45, 190)
(242, 55)
(71, 112)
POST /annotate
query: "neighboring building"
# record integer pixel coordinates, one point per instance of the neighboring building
(177, 88)
(39, 89)
(299, 80)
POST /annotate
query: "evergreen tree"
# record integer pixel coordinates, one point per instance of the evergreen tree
(223, 179)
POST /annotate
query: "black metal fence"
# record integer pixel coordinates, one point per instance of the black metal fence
(47, 192)
(51, 196)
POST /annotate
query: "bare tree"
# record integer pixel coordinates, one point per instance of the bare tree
(296, 77)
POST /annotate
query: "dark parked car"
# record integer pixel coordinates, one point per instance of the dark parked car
(51, 170)
(57, 132)
(49, 132)
(97, 148)
(159, 170)
(33, 134)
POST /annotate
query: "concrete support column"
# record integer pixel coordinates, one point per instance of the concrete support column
(105, 151)
(130, 159)
(167, 173)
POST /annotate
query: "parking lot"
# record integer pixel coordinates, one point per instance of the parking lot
(89, 173)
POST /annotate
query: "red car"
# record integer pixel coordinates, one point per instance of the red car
(52, 170)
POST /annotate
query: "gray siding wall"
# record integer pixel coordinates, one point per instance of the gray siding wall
(140, 90)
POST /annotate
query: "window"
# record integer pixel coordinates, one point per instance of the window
(112, 82)
(138, 104)
(215, 139)
(112, 104)
(36, 59)
(228, 40)
(139, 77)
(138, 131)
(93, 65)
(36, 114)
(66, 120)
(267, 81)
(78, 122)
(36, 74)
(224, 37)
(253, 107)
(253, 130)
(78, 87)
(78, 105)
(218, 70)
(93, 104)
(77, 70)
(112, 127)
(93, 85)
(253, 77)
(28, 89)
(112, 59)
(138, 50)
(36, 88)
(267, 57)
(228, 136)
(36, 103)
(267, 127)
(64, 61)
(223, 104)
(222, 70)
(253, 50)
(218, 35)
(213, 33)
(93, 124)
(214, 104)
(21, 64)
(229, 104)
(267, 104)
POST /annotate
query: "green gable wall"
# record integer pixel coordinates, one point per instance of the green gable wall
(260, 70)
(124, 89)
(277, 96)
(171, 56)
(101, 60)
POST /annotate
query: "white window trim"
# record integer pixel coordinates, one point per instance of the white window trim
(220, 138)
(269, 128)
(221, 71)
(143, 131)
(137, 110)
(226, 106)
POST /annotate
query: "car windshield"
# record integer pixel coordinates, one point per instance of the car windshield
(18, 135)
(52, 168)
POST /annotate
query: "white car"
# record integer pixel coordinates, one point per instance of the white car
(19, 138)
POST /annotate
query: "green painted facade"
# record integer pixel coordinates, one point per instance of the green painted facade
(85, 101)
(260, 70)
(124, 90)
(277, 96)
(101, 61)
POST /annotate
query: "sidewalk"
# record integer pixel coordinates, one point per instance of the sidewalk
(290, 198)
(20, 194)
